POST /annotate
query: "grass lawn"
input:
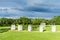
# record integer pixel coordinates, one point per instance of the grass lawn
(24, 35)
(7, 34)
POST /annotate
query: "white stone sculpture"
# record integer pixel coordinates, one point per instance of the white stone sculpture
(29, 28)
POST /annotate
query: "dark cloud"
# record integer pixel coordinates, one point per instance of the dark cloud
(41, 9)
(30, 8)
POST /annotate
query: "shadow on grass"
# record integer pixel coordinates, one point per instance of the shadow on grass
(44, 30)
(4, 30)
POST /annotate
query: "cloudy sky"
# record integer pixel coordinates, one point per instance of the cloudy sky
(29, 8)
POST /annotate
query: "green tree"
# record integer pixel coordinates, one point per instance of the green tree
(55, 20)
(37, 21)
(24, 20)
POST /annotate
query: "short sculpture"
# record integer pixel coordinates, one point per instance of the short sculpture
(53, 28)
(12, 27)
(19, 27)
(29, 28)
(42, 25)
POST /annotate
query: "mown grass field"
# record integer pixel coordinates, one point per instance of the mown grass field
(7, 34)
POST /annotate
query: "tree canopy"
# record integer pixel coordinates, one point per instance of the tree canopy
(24, 20)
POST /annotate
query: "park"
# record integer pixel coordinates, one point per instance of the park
(20, 29)
(7, 34)
(29, 19)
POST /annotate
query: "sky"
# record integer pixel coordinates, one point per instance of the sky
(29, 8)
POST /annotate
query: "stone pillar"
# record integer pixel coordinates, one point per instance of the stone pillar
(13, 27)
(29, 28)
(19, 27)
(53, 28)
(41, 28)
(42, 25)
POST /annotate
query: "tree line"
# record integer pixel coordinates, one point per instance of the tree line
(34, 21)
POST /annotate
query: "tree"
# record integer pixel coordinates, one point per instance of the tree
(24, 20)
(37, 21)
(56, 20)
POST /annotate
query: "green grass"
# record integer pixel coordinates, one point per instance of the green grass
(7, 34)
(24, 35)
